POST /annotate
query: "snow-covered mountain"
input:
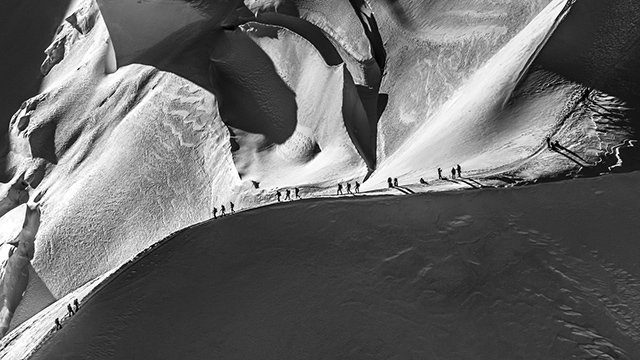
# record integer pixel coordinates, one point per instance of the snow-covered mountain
(144, 116)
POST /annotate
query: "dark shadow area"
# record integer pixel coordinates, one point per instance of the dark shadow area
(469, 180)
(597, 45)
(36, 297)
(460, 181)
(251, 95)
(370, 26)
(404, 189)
(26, 30)
(558, 148)
(310, 32)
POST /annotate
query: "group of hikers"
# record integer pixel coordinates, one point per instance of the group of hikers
(70, 312)
(223, 210)
(356, 188)
(287, 194)
(454, 170)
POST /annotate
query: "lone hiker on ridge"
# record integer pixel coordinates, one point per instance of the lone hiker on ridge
(440, 173)
(339, 192)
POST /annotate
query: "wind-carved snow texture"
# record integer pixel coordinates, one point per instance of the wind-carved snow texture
(128, 155)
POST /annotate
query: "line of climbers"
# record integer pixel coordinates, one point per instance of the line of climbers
(356, 188)
(70, 313)
(223, 210)
(287, 195)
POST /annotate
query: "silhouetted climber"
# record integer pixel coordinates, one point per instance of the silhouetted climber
(339, 192)
(232, 205)
(278, 195)
(556, 145)
(439, 173)
(453, 173)
(349, 188)
(357, 187)
(58, 325)
(76, 304)
(395, 181)
(459, 170)
(548, 142)
(70, 311)
(287, 195)
(215, 213)
(297, 191)
(423, 182)
(255, 184)
(390, 182)
(222, 210)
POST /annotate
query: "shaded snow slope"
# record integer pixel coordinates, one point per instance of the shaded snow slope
(548, 271)
(240, 105)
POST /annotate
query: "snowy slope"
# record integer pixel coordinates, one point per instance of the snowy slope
(152, 113)
(548, 271)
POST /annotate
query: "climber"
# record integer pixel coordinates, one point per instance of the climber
(215, 213)
(232, 205)
(357, 187)
(287, 195)
(453, 173)
(349, 188)
(390, 182)
(459, 170)
(222, 210)
(278, 194)
(76, 304)
(58, 325)
(339, 192)
(297, 193)
(395, 181)
(70, 311)
(440, 173)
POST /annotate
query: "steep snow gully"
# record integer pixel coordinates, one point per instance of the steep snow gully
(150, 114)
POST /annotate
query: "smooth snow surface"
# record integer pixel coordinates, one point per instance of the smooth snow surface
(548, 271)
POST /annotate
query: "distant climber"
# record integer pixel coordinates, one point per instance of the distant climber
(395, 181)
(287, 195)
(278, 194)
(357, 187)
(222, 210)
(215, 213)
(459, 170)
(423, 182)
(349, 188)
(390, 182)
(339, 192)
(58, 325)
(256, 184)
(76, 304)
(70, 311)
(453, 173)
(556, 145)
(297, 191)
(232, 207)
(549, 142)
(440, 173)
